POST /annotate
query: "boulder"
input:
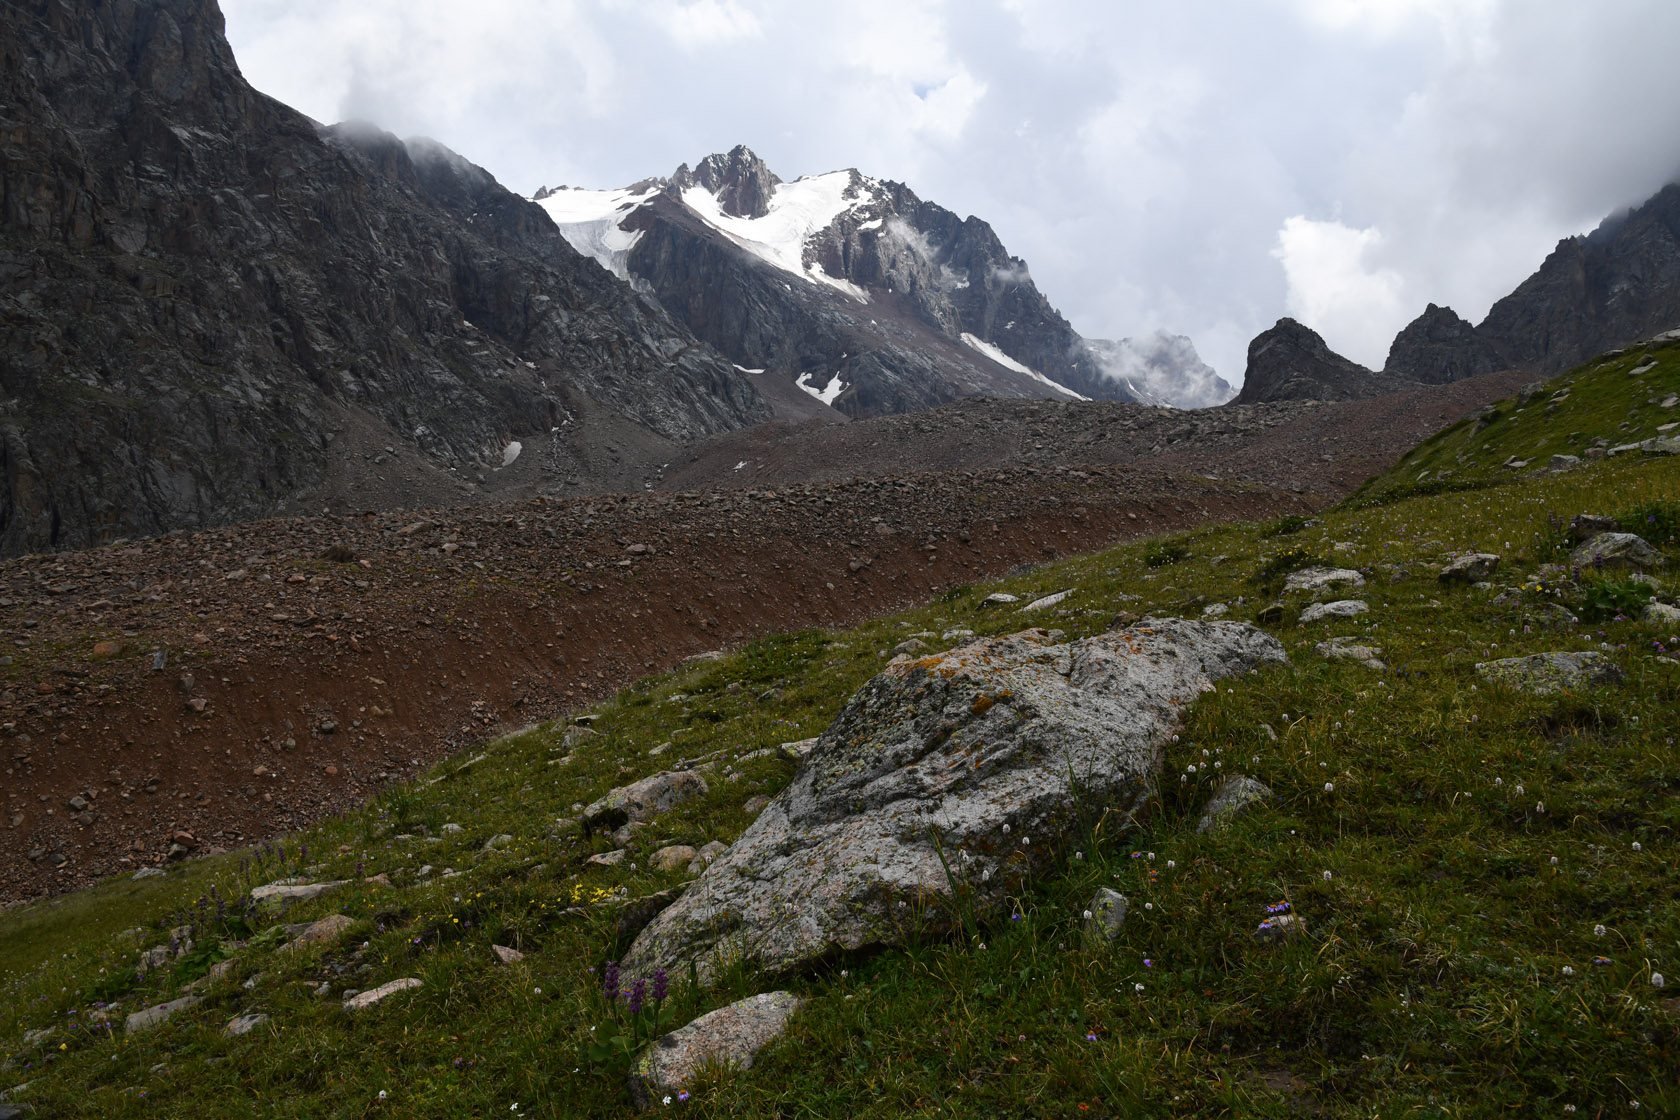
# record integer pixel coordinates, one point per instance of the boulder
(1341, 608)
(641, 801)
(1472, 567)
(635, 914)
(367, 999)
(730, 1036)
(324, 932)
(1321, 579)
(672, 857)
(1234, 795)
(607, 859)
(154, 1016)
(965, 759)
(1619, 551)
(1541, 674)
(1661, 614)
(1585, 526)
(1105, 914)
(1348, 649)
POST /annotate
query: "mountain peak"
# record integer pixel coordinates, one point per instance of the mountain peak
(1292, 362)
(740, 180)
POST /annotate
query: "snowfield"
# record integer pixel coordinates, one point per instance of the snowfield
(975, 342)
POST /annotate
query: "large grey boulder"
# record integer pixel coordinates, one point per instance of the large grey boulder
(975, 760)
(1544, 673)
(1623, 551)
(730, 1036)
(642, 801)
(1472, 567)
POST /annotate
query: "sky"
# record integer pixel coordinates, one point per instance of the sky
(1201, 167)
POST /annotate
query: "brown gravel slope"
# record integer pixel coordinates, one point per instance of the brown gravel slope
(209, 689)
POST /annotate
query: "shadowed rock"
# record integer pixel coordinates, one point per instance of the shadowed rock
(1544, 673)
(730, 1036)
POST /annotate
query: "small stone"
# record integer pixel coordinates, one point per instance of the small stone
(1319, 579)
(450, 829)
(1234, 795)
(608, 859)
(1107, 911)
(1047, 602)
(323, 932)
(153, 1016)
(363, 1000)
(1472, 567)
(730, 1036)
(912, 645)
(146, 873)
(752, 806)
(703, 859)
(1342, 608)
(641, 801)
(1284, 927)
(284, 892)
(497, 843)
(672, 857)
(78, 803)
(1564, 462)
(1348, 649)
(797, 750)
(507, 955)
(243, 1025)
(999, 599)
(1661, 614)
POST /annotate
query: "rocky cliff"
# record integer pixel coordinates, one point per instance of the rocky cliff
(197, 284)
(1292, 362)
(1439, 346)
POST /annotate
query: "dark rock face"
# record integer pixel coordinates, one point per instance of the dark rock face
(1292, 362)
(741, 181)
(1438, 347)
(194, 280)
(1617, 285)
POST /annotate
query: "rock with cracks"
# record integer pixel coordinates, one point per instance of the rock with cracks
(641, 801)
(730, 1037)
(1622, 551)
(1541, 674)
(975, 761)
(1235, 794)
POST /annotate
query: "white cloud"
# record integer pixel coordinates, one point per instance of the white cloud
(705, 23)
(1337, 289)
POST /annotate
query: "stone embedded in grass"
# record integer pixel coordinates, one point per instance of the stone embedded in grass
(367, 999)
(730, 1036)
(1349, 649)
(1585, 526)
(1341, 608)
(244, 1024)
(1472, 567)
(1661, 614)
(147, 873)
(1321, 579)
(635, 914)
(798, 749)
(999, 599)
(608, 859)
(1619, 551)
(976, 760)
(506, 955)
(672, 857)
(1564, 462)
(910, 645)
(290, 890)
(1234, 795)
(1047, 601)
(1283, 927)
(498, 842)
(155, 1016)
(641, 801)
(323, 932)
(703, 859)
(1107, 910)
(1542, 674)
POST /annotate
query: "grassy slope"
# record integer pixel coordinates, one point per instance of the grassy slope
(1443, 902)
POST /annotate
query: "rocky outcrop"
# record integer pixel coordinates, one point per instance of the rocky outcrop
(1291, 362)
(1162, 369)
(957, 772)
(198, 284)
(1439, 346)
(1542, 674)
(741, 182)
(729, 1037)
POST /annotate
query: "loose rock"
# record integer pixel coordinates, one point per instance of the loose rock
(672, 857)
(244, 1024)
(1472, 567)
(1320, 579)
(367, 999)
(154, 1016)
(1234, 795)
(641, 801)
(323, 932)
(1349, 649)
(703, 859)
(1620, 551)
(1284, 927)
(507, 955)
(1541, 674)
(1108, 913)
(1661, 614)
(730, 1036)
(1342, 608)
(1046, 602)
(284, 893)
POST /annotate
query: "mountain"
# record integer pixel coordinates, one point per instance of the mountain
(1292, 362)
(202, 290)
(1615, 286)
(1162, 369)
(853, 289)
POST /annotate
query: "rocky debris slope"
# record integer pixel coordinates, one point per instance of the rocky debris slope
(1291, 362)
(951, 774)
(197, 282)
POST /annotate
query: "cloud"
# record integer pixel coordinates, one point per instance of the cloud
(707, 22)
(1335, 288)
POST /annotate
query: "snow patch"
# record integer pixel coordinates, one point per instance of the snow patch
(589, 221)
(798, 211)
(511, 452)
(744, 369)
(975, 342)
(828, 394)
(741, 464)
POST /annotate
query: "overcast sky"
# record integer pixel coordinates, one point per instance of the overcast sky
(1200, 167)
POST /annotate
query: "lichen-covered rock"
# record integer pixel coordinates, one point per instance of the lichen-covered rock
(1106, 914)
(1321, 579)
(972, 760)
(643, 800)
(1235, 794)
(1348, 649)
(1544, 673)
(1341, 608)
(1472, 567)
(730, 1036)
(155, 1016)
(1622, 551)
(323, 932)
(1661, 614)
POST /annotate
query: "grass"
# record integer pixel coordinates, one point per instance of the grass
(1452, 848)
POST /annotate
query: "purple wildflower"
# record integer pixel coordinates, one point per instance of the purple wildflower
(661, 985)
(609, 981)
(638, 992)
